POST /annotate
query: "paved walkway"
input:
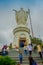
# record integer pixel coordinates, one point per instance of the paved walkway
(28, 64)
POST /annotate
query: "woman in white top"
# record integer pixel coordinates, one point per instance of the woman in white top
(30, 48)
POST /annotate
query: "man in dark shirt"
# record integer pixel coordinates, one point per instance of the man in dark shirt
(21, 44)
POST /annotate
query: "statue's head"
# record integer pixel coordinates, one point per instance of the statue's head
(21, 8)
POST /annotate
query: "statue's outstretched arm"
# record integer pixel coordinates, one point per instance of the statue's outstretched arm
(14, 10)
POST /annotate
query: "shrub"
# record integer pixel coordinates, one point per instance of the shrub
(13, 62)
(5, 60)
(1, 60)
(42, 45)
(35, 47)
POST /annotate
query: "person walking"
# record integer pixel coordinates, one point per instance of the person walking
(39, 50)
(20, 57)
(30, 49)
(32, 61)
(25, 50)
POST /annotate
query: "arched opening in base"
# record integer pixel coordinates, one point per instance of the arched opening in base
(22, 42)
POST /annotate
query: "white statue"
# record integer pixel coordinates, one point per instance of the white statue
(21, 16)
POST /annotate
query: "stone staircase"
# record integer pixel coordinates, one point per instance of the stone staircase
(15, 55)
(26, 61)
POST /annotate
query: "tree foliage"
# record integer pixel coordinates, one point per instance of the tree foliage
(35, 40)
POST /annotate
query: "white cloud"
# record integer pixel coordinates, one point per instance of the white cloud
(6, 37)
(7, 24)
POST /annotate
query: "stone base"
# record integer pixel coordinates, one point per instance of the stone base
(21, 34)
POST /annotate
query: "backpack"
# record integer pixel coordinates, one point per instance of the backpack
(34, 63)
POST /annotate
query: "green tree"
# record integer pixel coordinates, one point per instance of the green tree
(36, 40)
(10, 46)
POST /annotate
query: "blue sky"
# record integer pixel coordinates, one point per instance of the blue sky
(8, 22)
(19, 3)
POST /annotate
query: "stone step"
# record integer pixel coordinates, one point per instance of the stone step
(15, 56)
(25, 59)
(38, 58)
(16, 53)
(27, 62)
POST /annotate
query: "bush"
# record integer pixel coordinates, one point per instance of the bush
(42, 45)
(7, 61)
(35, 47)
(13, 62)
